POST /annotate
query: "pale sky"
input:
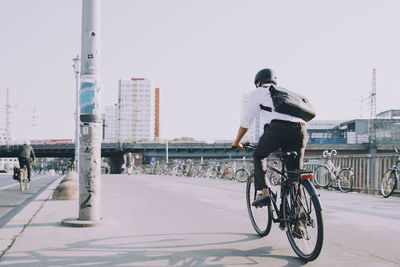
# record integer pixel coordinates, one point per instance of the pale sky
(203, 55)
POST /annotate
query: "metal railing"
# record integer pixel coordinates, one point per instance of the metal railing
(368, 169)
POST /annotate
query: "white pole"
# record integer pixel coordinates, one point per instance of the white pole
(90, 119)
(90, 114)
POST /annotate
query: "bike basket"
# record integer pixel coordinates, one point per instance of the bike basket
(306, 176)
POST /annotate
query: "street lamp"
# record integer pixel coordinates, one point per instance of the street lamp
(77, 70)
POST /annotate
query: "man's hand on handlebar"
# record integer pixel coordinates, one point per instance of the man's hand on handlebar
(246, 145)
(237, 146)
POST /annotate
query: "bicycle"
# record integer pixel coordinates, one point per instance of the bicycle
(324, 175)
(242, 174)
(299, 212)
(390, 178)
(227, 171)
(273, 177)
(23, 179)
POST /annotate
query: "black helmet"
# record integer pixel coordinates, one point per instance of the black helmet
(265, 76)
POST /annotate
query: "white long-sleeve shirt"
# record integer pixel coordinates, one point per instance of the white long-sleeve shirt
(261, 95)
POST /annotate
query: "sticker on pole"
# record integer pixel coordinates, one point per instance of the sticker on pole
(87, 97)
(89, 100)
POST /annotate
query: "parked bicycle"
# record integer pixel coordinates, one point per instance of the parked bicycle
(298, 212)
(390, 178)
(227, 171)
(328, 174)
(242, 174)
(272, 176)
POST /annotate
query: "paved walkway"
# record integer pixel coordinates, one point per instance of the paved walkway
(174, 221)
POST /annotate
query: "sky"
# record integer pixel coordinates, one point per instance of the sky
(203, 55)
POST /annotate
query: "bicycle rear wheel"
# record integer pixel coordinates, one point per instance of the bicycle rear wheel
(242, 175)
(322, 176)
(345, 180)
(260, 217)
(388, 183)
(23, 180)
(22, 184)
(302, 211)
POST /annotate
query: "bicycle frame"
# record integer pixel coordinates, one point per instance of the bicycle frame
(285, 180)
(332, 168)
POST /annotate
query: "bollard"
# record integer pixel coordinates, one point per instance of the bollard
(66, 191)
(71, 177)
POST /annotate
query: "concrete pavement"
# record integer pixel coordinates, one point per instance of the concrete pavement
(177, 221)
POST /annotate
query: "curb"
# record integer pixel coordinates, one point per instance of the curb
(16, 226)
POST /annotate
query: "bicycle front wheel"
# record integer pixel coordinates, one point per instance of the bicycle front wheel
(242, 175)
(302, 213)
(322, 176)
(388, 183)
(260, 217)
(345, 180)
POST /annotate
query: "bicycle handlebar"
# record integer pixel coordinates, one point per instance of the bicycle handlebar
(246, 145)
(326, 153)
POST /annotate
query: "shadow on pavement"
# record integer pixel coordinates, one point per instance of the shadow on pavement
(154, 250)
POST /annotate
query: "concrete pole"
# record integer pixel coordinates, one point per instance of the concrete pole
(90, 119)
(90, 114)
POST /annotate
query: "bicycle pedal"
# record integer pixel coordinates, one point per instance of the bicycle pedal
(283, 227)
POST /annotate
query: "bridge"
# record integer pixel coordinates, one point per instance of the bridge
(194, 150)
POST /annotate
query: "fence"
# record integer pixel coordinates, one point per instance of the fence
(368, 169)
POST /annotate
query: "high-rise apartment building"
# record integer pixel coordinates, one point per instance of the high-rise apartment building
(130, 119)
(111, 120)
(157, 113)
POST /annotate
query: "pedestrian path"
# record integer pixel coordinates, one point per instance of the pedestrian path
(170, 221)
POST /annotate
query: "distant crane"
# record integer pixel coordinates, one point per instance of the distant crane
(372, 128)
(373, 95)
(8, 115)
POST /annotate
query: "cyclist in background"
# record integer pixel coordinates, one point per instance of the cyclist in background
(26, 157)
(281, 131)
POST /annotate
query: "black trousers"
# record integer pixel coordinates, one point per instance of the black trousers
(25, 162)
(284, 135)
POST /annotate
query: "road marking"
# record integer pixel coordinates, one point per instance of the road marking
(17, 183)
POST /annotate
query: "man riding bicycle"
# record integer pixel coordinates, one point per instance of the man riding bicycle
(26, 157)
(281, 131)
